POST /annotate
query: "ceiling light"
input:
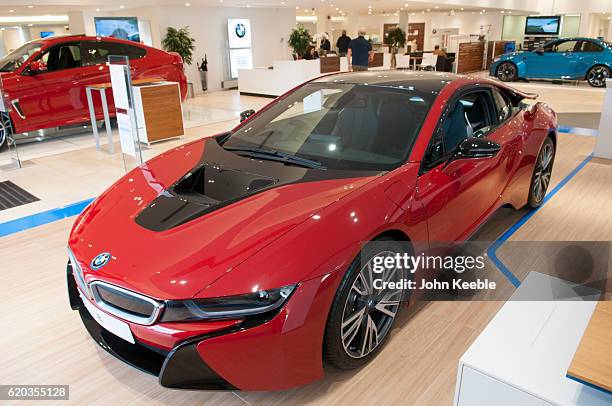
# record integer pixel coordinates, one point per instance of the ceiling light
(509, 12)
(297, 7)
(411, 14)
(483, 10)
(502, 11)
(461, 9)
(248, 5)
(30, 6)
(11, 11)
(97, 9)
(30, 25)
(437, 7)
(480, 13)
(187, 4)
(282, 3)
(122, 6)
(35, 18)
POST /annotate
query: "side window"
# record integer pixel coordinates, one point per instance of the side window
(588, 46)
(60, 57)
(97, 52)
(503, 106)
(566, 46)
(468, 117)
(135, 52)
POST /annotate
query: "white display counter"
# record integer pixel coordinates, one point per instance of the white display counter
(286, 75)
(522, 356)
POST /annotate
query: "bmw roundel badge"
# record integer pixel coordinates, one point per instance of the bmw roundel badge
(100, 260)
(240, 30)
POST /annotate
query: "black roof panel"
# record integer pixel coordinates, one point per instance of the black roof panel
(414, 80)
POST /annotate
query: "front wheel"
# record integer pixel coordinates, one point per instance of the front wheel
(5, 131)
(597, 75)
(506, 72)
(542, 173)
(361, 316)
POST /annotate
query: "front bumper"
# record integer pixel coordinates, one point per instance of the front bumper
(279, 351)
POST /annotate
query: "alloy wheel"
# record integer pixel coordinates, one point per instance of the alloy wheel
(369, 312)
(541, 178)
(597, 76)
(5, 128)
(506, 72)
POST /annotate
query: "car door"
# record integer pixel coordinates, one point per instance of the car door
(556, 61)
(52, 98)
(457, 193)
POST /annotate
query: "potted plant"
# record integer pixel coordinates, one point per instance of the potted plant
(395, 39)
(299, 40)
(179, 41)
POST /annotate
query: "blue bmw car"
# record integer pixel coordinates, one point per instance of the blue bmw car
(565, 59)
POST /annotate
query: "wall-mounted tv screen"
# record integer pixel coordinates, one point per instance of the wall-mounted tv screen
(542, 25)
(118, 27)
(45, 34)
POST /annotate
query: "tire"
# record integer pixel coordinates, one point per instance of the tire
(541, 173)
(5, 131)
(597, 75)
(506, 72)
(358, 317)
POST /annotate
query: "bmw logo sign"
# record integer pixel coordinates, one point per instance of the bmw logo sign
(100, 260)
(240, 30)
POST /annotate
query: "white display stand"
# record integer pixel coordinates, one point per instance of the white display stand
(603, 148)
(522, 357)
(283, 76)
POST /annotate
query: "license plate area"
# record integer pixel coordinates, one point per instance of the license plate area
(119, 328)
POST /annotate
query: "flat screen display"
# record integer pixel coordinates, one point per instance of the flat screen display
(542, 25)
(118, 27)
(45, 34)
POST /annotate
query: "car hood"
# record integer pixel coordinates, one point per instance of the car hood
(182, 220)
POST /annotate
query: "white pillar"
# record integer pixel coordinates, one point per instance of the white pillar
(603, 148)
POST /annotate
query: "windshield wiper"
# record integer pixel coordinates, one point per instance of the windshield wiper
(272, 155)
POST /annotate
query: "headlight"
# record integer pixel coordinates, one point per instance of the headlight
(226, 307)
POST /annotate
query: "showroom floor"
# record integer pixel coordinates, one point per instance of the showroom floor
(419, 363)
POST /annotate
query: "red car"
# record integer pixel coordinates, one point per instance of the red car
(238, 261)
(44, 80)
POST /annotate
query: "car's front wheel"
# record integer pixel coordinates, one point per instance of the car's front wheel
(542, 173)
(361, 316)
(597, 75)
(506, 72)
(5, 131)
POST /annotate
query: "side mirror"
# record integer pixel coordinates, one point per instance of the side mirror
(246, 114)
(476, 148)
(37, 67)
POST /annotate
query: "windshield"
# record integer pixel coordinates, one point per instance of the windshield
(342, 126)
(16, 58)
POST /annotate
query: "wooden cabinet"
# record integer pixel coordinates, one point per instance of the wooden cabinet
(158, 111)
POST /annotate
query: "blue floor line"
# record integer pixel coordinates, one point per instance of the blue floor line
(578, 131)
(45, 217)
(492, 250)
(590, 385)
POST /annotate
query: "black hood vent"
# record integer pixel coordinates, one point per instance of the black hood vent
(201, 190)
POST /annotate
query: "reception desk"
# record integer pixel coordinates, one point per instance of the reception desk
(285, 74)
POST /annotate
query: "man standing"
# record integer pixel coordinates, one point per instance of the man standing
(343, 43)
(359, 51)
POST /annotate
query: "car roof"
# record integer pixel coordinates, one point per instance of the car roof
(83, 37)
(412, 80)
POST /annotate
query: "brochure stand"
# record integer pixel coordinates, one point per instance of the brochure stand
(7, 136)
(121, 82)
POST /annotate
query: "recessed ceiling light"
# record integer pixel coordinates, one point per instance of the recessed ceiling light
(30, 6)
(97, 9)
(480, 12)
(509, 12)
(422, 12)
(30, 25)
(502, 11)
(437, 7)
(428, 10)
(411, 14)
(282, 3)
(11, 11)
(187, 4)
(461, 9)
(248, 5)
(297, 7)
(121, 6)
(483, 10)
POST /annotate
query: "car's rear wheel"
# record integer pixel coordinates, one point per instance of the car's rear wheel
(5, 130)
(506, 72)
(542, 173)
(597, 75)
(361, 316)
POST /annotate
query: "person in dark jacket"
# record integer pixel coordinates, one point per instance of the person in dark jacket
(342, 43)
(311, 53)
(325, 45)
(359, 53)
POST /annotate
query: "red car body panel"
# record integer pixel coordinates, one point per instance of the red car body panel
(306, 233)
(57, 98)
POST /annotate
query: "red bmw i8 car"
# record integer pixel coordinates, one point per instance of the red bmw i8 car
(238, 261)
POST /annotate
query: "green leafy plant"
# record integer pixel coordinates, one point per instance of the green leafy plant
(395, 39)
(299, 40)
(181, 42)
